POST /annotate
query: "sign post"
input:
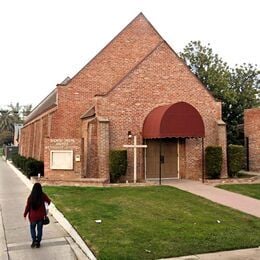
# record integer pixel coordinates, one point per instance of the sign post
(135, 146)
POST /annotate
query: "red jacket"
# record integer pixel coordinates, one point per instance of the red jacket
(39, 214)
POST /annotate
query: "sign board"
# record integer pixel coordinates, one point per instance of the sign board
(61, 160)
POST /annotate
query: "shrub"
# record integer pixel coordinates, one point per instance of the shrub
(235, 159)
(213, 161)
(19, 161)
(29, 166)
(15, 159)
(33, 167)
(117, 164)
(22, 162)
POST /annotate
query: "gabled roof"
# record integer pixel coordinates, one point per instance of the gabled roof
(117, 58)
(89, 113)
(112, 64)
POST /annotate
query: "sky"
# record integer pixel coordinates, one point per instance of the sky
(44, 41)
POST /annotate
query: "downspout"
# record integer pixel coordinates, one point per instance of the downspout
(203, 160)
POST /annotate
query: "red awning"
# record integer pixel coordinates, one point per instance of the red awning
(178, 120)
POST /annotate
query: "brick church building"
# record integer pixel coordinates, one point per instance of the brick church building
(136, 86)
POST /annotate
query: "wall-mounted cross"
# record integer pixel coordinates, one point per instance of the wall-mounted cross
(135, 146)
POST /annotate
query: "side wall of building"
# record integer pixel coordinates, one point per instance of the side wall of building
(74, 145)
(33, 134)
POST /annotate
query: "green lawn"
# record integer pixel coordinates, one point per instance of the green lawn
(251, 190)
(152, 222)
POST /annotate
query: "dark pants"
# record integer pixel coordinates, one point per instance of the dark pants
(36, 225)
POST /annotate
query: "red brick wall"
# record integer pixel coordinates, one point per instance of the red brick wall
(92, 150)
(252, 131)
(37, 129)
(161, 79)
(26, 143)
(32, 137)
(103, 148)
(45, 126)
(62, 144)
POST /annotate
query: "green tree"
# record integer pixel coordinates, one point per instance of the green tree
(15, 111)
(6, 137)
(6, 120)
(26, 110)
(245, 82)
(14, 114)
(237, 88)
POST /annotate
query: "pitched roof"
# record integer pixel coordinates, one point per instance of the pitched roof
(89, 113)
(117, 58)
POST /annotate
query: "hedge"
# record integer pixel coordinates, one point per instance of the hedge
(213, 161)
(117, 164)
(29, 166)
(235, 159)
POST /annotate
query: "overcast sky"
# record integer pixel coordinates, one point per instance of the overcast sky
(44, 41)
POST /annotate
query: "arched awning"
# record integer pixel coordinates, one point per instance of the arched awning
(178, 120)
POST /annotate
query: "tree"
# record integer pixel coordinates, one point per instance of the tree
(15, 111)
(237, 88)
(245, 82)
(6, 120)
(26, 110)
(6, 137)
(14, 114)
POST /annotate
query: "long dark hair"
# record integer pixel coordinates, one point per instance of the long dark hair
(36, 197)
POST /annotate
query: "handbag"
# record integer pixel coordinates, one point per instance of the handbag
(46, 220)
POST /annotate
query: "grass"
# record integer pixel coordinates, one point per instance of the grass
(152, 222)
(244, 175)
(251, 190)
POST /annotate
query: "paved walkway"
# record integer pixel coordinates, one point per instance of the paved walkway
(233, 200)
(15, 238)
(243, 254)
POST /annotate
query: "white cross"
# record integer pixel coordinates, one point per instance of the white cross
(135, 146)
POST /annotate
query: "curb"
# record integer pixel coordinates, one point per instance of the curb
(239, 254)
(3, 246)
(61, 219)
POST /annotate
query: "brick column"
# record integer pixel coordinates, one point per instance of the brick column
(103, 148)
(252, 130)
(222, 141)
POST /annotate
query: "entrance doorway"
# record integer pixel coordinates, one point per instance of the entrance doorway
(162, 155)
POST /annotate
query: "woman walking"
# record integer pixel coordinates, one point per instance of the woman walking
(36, 209)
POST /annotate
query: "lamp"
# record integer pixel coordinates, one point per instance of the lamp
(129, 135)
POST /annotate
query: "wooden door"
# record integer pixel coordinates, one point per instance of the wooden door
(152, 159)
(168, 155)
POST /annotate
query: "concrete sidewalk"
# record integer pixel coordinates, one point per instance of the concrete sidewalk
(233, 200)
(15, 238)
